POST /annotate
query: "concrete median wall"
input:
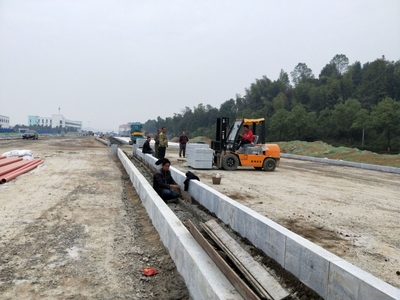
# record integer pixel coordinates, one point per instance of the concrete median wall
(327, 274)
(202, 277)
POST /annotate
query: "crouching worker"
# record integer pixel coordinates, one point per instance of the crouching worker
(163, 183)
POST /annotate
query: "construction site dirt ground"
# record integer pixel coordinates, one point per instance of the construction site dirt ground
(74, 227)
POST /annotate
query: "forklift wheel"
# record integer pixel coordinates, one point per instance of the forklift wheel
(230, 162)
(269, 164)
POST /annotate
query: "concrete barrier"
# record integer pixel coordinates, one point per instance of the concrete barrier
(339, 162)
(105, 142)
(202, 277)
(325, 273)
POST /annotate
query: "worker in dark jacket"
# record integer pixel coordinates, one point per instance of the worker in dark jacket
(163, 183)
(146, 147)
(183, 140)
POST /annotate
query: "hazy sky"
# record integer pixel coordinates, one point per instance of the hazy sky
(107, 63)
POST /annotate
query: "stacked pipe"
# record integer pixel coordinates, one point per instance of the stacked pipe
(11, 167)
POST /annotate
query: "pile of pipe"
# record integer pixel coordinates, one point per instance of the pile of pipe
(15, 163)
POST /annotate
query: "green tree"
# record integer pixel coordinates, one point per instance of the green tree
(298, 120)
(228, 109)
(279, 102)
(347, 85)
(258, 93)
(344, 115)
(357, 73)
(324, 123)
(362, 122)
(373, 86)
(301, 73)
(386, 119)
(329, 71)
(341, 63)
(279, 125)
(330, 92)
(284, 80)
(302, 93)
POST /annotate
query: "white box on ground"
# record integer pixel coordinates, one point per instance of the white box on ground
(199, 156)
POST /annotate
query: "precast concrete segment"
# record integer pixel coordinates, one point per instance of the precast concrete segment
(343, 163)
(322, 271)
(103, 141)
(202, 277)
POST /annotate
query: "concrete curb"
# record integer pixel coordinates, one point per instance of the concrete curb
(343, 163)
(105, 142)
(325, 273)
(202, 277)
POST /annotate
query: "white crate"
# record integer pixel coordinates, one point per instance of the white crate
(200, 157)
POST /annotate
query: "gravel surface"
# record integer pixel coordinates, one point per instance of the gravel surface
(74, 228)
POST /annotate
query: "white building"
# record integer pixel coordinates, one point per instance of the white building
(4, 121)
(54, 121)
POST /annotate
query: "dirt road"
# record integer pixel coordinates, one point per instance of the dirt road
(74, 228)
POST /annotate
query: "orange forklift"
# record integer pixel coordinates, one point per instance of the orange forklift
(229, 154)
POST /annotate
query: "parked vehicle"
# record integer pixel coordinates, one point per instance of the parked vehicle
(30, 134)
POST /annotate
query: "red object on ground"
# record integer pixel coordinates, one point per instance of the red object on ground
(26, 168)
(13, 166)
(149, 271)
(9, 160)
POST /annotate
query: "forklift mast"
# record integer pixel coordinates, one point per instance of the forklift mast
(221, 133)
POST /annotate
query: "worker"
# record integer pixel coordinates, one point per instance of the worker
(183, 140)
(163, 143)
(157, 141)
(247, 137)
(163, 183)
(146, 147)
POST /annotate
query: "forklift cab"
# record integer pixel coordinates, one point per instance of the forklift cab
(229, 155)
(233, 139)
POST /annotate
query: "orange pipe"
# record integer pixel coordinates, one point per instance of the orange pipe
(31, 165)
(11, 167)
(30, 162)
(9, 160)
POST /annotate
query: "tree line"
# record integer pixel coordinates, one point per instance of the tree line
(353, 105)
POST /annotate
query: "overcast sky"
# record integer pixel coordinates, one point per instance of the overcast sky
(107, 63)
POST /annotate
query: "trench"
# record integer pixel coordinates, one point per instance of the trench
(187, 208)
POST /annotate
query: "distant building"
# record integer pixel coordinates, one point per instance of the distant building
(124, 130)
(4, 121)
(54, 121)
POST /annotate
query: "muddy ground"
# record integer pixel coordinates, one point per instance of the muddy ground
(74, 228)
